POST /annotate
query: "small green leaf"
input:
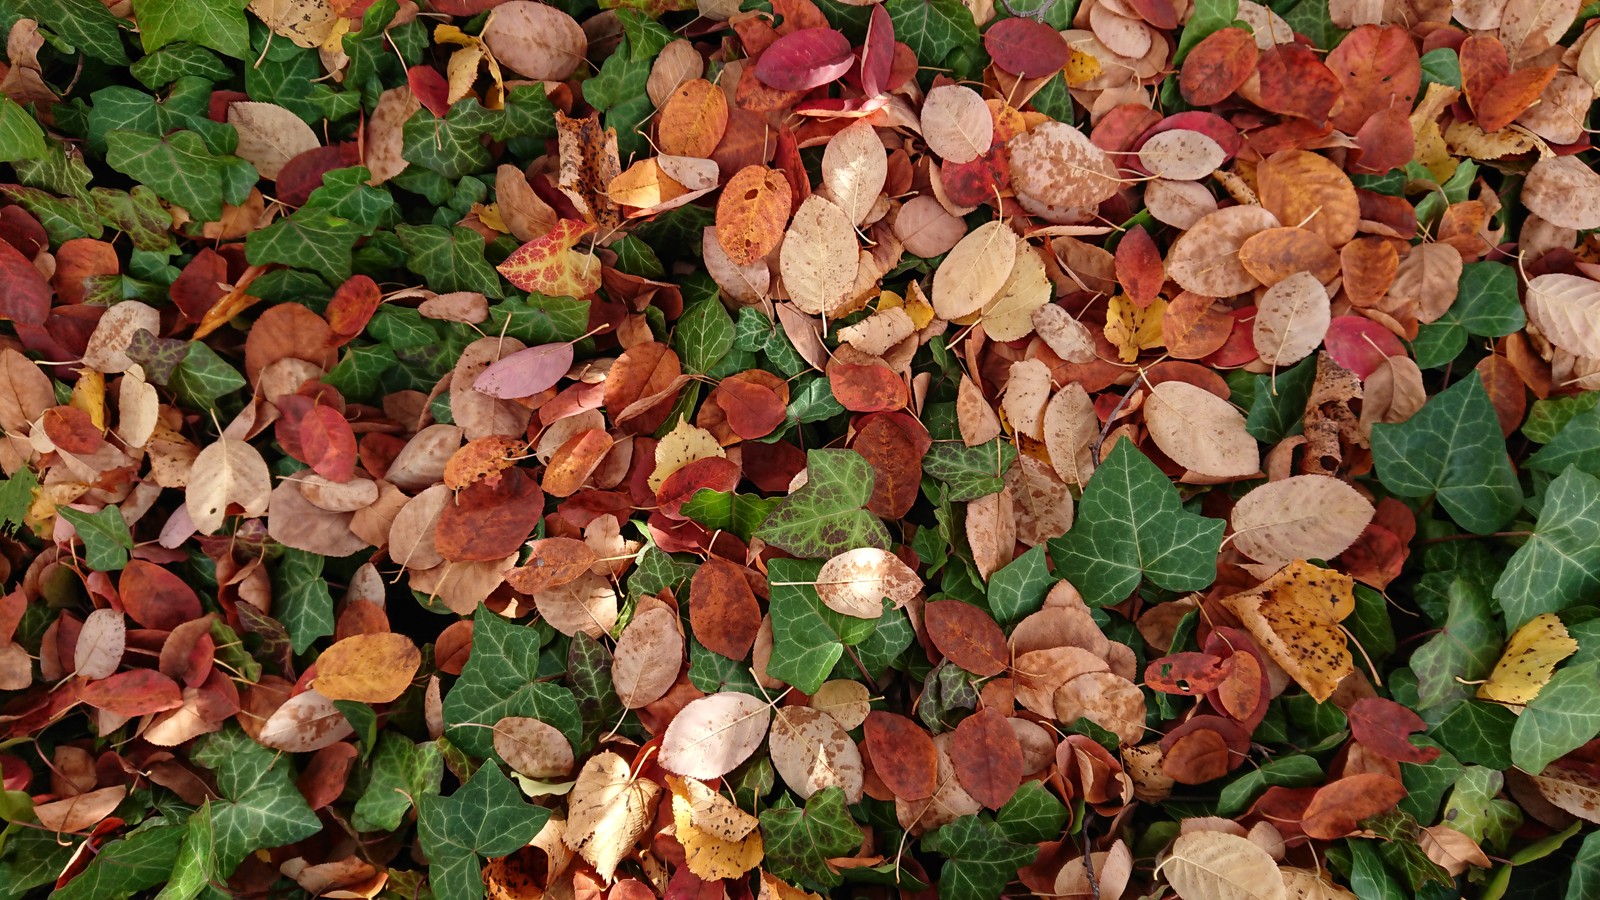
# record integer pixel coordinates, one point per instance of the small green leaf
(16, 496)
(1130, 527)
(196, 862)
(1298, 770)
(1477, 733)
(20, 136)
(1560, 564)
(825, 516)
(402, 771)
(1209, 16)
(106, 539)
(971, 472)
(1564, 716)
(487, 817)
(501, 679)
(800, 841)
(1452, 450)
(703, 336)
(203, 377)
(301, 600)
(312, 239)
(1032, 815)
(178, 167)
(87, 24)
(1018, 589)
(980, 859)
(932, 28)
(449, 259)
(808, 638)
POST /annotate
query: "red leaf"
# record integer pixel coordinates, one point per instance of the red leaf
(987, 757)
(1385, 727)
(903, 755)
(1376, 67)
(877, 54)
(24, 294)
(1294, 82)
(808, 58)
(329, 443)
(71, 429)
(712, 473)
(1187, 673)
(1139, 267)
(490, 521)
(967, 636)
(156, 598)
(352, 307)
(430, 89)
(1337, 807)
(198, 287)
(1025, 47)
(754, 410)
(1217, 66)
(722, 608)
(869, 388)
(136, 693)
(1360, 344)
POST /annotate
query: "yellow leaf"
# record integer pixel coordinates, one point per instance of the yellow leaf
(682, 445)
(463, 66)
(89, 395)
(1081, 68)
(1529, 658)
(1431, 150)
(1295, 615)
(1131, 329)
(549, 265)
(709, 856)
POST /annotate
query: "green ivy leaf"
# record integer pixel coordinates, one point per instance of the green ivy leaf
(1477, 733)
(487, 817)
(1547, 417)
(261, 807)
(177, 167)
(825, 516)
(452, 146)
(203, 377)
(1577, 444)
(86, 24)
(175, 61)
(1209, 16)
(808, 638)
(1297, 770)
(301, 599)
(138, 214)
(1486, 305)
(932, 28)
(800, 841)
(1018, 589)
(703, 336)
(1032, 815)
(218, 24)
(501, 679)
(1560, 564)
(196, 862)
(971, 472)
(1564, 716)
(123, 867)
(1130, 526)
(312, 239)
(106, 539)
(449, 259)
(1584, 882)
(402, 771)
(981, 860)
(1278, 407)
(16, 496)
(1451, 449)
(589, 675)
(20, 136)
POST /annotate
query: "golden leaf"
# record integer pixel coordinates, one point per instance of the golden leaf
(1529, 658)
(1295, 616)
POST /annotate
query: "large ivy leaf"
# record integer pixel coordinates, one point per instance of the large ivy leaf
(800, 841)
(301, 599)
(402, 772)
(1130, 526)
(1451, 449)
(1465, 651)
(487, 817)
(218, 24)
(825, 516)
(1563, 717)
(502, 679)
(312, 238)
(932, 28)
(124, 867)
(1560, 563)
(808, 638)
(261, 807)
(178, 167)
(450, 259)
(981, 860)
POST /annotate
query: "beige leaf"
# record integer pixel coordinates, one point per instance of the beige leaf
(229, 471)
(992, 531)
(855, 582)
(533, 748)
(713, 735)
(715, 814)
(974, 271)
(1181, 204)
(1181, 155)
(1112, 869)
(1428, 279)
(338, 496)
(269, 135)
(138, 407)
(82, 812)
(521, 208)
(1070, 426)
(678, 62)
(648, 657)
(1451, 850)
(1106, 699)
(1565, 309)
(1565, 191)
(587, 604)
(1205, 259)
(854, 168)
(1056, 163)
(1530, 27)
(385, 134)
(878, 333)
(412, 531)
(107, 351)
(293, 521)
(1042, 501)
(308, 23)
(608, 811)
(819, 257)
(1302, 517)
(1200, 431)
(1392, 393)
(535, 40)
(746, 285)
(977, 420)
(1065, 335)
(25, 391)
(1213, 865)
(811, 751)
(682, 445)
(1026, 395)
(1571, 789)
(1291, 319)
(926, 228)
(305, 722)
(1009, 315)
(101, 643)
(1309, 884)
(847, 701)
(956, 123)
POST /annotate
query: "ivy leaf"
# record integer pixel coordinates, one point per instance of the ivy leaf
(1486, 305)
(1585, 879)
(1546, 418)
(106, 539)
(16, 496)
(1018, 589)
(1208, 17)
(704, 335)
(808, 638)
(486, 818)
(799, 842)
(261, 807)
(203, 377)
(1563, 717)
(196, 862)
(981, 860)
(1278, 408)
(402, 771)
(178, 167)
(1577, 444)
(589, 674)
(1298, 770)
(218, 24)
(1477, 733)
(1560, 564)
(175, 61)
(86, 24)
(312, 238)
(932, 28)
(301, 599)
(1451, 449)
(1130, 526)
(452, 146)
(123, 867)
(540, 319)
(1032, 815)
(501, 679)
(825, 516)
(971, 472)
(20, 136)
(449, 259)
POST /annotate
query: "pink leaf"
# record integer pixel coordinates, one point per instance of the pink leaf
(805, 59)
(526, 372)
(877, 52)
(1360, 344)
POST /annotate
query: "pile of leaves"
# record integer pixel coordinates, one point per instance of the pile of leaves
(772, 448)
